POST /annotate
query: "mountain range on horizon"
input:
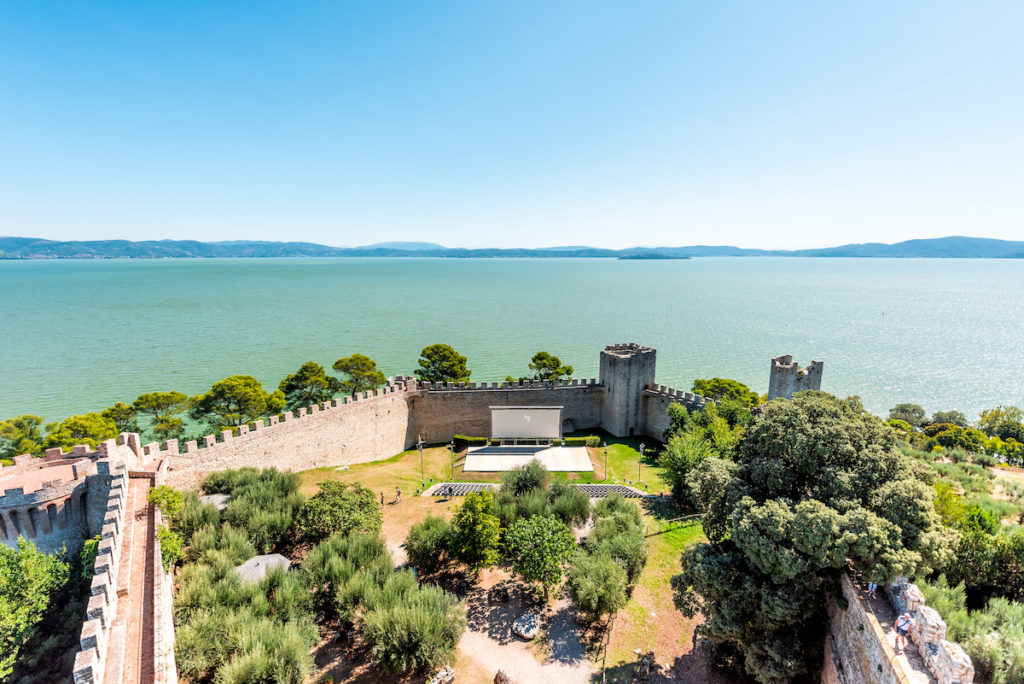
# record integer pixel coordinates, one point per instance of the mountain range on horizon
(37, 248)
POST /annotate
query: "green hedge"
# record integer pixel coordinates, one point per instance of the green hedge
(589, 440)
(466, 440)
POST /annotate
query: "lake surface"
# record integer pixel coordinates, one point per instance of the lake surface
(77, 336)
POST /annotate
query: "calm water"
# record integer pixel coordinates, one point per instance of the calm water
(79, 335)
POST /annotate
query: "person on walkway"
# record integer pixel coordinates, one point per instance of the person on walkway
(398, 495)
(903, 624)
(872, 588)
(382, 498)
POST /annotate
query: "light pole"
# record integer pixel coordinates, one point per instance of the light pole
(419, 445)
(605, 445)
(451, 454)
(640, 461)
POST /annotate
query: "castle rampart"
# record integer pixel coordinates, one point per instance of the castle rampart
(859, 648)
(787, 377)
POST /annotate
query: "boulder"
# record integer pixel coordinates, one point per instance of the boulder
(526, 625)
(502, 678)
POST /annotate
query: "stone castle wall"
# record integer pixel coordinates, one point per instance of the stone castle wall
(857, 650)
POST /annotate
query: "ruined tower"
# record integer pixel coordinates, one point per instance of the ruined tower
(627, 369)
(788, 377)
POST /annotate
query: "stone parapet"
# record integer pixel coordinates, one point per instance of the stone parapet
(947, 661)
(102, 606)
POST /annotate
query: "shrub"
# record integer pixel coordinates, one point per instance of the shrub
(589, 440)
(263, 503)
(569, 504)
(419, 632)
(475, 531)
(87, 557)
(527, 478)
(169, 501)
(170, 547)
(597, 585)
(229, 541)
(339, 507)
(427, 543)
(334, 567)
(614, 536)
(195, 515)
(465, 440)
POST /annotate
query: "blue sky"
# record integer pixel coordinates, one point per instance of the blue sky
(513, 123)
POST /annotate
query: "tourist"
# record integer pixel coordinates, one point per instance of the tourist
(382, 498)
(398, 495)
(872, 588)
(903, 624)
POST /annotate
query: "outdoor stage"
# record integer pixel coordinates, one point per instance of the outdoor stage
(489, 459)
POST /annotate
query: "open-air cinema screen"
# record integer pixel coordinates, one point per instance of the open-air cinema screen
(535, 422)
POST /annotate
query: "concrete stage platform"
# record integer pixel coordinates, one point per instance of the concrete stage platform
(491, 459)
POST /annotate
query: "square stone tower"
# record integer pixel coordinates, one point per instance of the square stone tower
(627, 369)
(788, 377)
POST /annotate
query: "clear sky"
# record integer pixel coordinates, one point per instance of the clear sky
(758, 124)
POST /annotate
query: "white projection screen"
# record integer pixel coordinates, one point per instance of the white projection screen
(532, 422)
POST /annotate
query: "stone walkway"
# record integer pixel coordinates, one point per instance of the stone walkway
(130, 656)
(909, 659)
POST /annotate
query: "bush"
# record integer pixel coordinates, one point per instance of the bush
(589, 440)
(195, 515)
(569, 504)
(169, 501)
(339, 507)
(597, 585)
(336, 571)
(263, 503)
(538, 549)
(530, 477)
(427, 544)
(615, 537)
(465, 440)
(418, 632)
(170, 547)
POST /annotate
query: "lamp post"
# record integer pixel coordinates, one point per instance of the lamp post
(419, 445)
(451, 455)
(605, 445)
(640, 461)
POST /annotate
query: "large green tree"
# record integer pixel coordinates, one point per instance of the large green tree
(913, 414)
(124, 416)
(819, 486)
(441, 363)
(339, 507)
(547, 366)
(538, 549)
(28, 580)
(20, 436)
(234, 401)
(1005, 422)
(309, 385)
(87, 428)
(162, 409)
(475, 530)
(361, 374)
(597, 585)
(724, 388)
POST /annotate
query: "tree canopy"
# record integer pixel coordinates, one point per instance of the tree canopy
(361, 374)
(475, 530)
(28, 580)
(123, 416)
(234, 401)
(339, 507)
(1004, 422)
(724, 388)
(546, 366)
(818, 483)
(538, 549)
(441, 363)
(20, 436)
(309, 385)
(912, 414)
(88, 428)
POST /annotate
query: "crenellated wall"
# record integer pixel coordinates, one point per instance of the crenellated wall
(656, 400)
(859, 650)
(102, 607)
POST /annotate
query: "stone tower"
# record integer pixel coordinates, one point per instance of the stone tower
(627, 369)
(788, 377)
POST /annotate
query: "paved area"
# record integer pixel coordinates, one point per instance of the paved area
(130, 656)
(594, 491)
(556, 459)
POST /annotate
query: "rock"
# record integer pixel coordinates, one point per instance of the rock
(502, 678)
(446, 675)
(526, 625)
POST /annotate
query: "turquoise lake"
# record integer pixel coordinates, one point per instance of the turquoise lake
(77, 336)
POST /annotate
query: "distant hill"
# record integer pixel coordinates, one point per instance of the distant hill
(36, 248)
